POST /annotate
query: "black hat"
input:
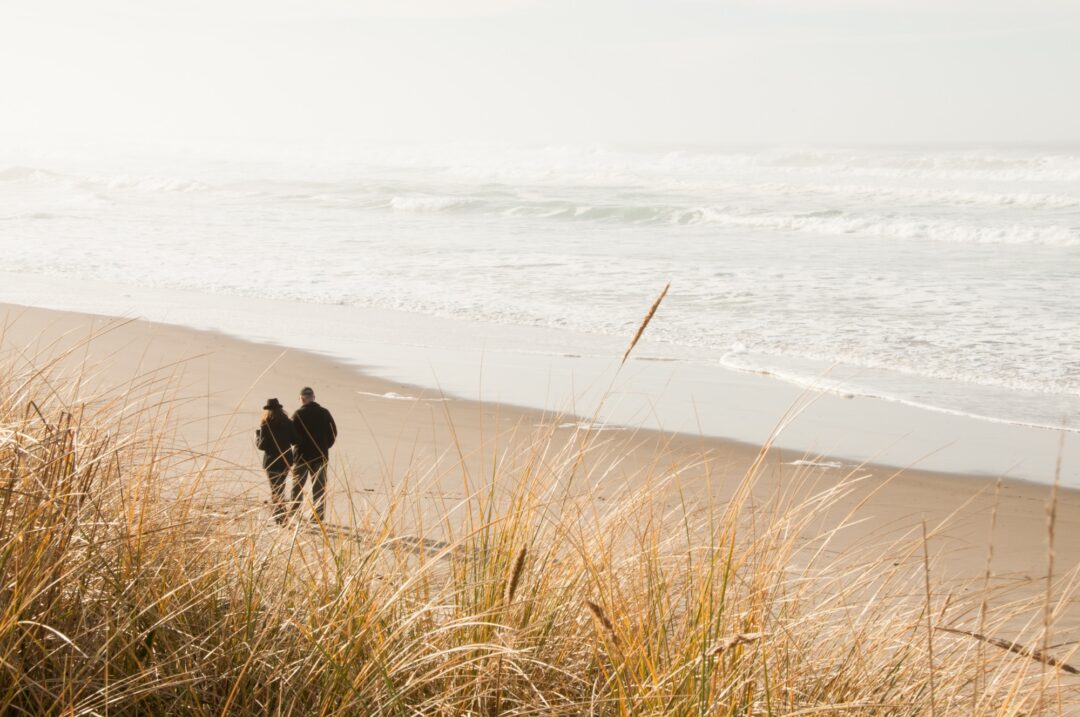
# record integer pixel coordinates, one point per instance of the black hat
(272, 403)
(307, 391)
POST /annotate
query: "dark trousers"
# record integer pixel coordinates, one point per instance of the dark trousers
(277, 470)
(277, 476)
(316, 467)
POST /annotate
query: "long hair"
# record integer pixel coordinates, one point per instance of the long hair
(273, 415)
(271, 425)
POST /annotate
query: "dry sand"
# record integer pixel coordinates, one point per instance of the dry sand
(391, 433)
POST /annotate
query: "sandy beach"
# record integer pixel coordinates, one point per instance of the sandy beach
(878, 540)
(391, 432)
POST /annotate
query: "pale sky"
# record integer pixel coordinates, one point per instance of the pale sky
(581, 71)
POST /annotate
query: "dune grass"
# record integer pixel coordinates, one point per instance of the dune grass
(125, 591)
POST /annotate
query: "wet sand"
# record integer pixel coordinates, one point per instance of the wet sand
(661, 387)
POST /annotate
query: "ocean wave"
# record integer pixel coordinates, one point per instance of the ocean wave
(20, 173)
(842, 371)
(839, 223)
(986, 165)
(142, 183)
(149, 183)
(600, 166)
(33, 216)
(427, 204)
(856, 211)
(805, 462)
(897, 195)
(967, 404)
(827, 221)
(612, 167)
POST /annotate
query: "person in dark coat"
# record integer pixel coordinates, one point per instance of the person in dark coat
(275, 437)
(315, 434)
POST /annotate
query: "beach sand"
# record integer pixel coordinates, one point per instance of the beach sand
(390, 433)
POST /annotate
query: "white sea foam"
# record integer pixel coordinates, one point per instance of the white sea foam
(24, 174)
(943, 278)
(391, 395)
(893, 195)
(394, 396)
(816, 464)
(150, 183)
(837, 223)
(590, 426)
(426, 204)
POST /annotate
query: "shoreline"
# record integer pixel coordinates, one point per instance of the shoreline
(562, 372)
(223, 382)
(825, 593)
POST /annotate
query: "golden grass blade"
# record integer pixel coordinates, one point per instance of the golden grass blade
(645, 323)
(929, 625)
(1034, 654)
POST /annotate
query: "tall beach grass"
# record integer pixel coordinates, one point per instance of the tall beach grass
(128, 588)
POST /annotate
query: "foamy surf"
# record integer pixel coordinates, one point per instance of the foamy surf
(583, 425)
(393, 396)
(815, 464)
(940, 278)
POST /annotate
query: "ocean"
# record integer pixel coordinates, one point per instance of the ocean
(946, 278)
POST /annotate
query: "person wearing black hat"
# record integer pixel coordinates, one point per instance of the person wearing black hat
(315, 433)
(274, 437)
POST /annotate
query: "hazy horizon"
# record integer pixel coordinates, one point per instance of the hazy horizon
(695, 73)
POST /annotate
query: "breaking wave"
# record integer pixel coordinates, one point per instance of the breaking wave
(427, 204)
(923, 269)
(834, 222)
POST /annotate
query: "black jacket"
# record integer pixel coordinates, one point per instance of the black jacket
(274, 438)
(315, 432)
